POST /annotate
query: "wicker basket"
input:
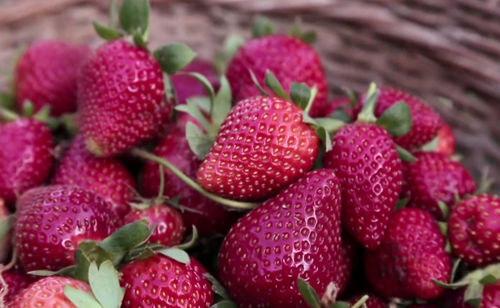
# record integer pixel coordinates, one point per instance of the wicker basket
(446, 51)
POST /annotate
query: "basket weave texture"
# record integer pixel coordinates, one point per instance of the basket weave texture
(446, 51)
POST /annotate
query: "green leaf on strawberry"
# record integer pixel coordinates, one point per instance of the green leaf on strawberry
(177, 254)
(80, 298)
(396, 119)
(5, 226)
(134, 17)
(262, 26)
(307, 36)
(174, 57)
(106, 32)
(198, 141)
(105, 284)
(231, 45)
(273, 83)
(405, 155)
(308, 293)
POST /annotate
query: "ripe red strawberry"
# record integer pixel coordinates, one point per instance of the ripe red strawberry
(349, 257)
(52, 221)
(169, 228)
(104, 176)
(474, 228)
(26, 158)
(15, 283)
(372, 302)
(425, 121)
(46, 74)
(446, 140)
(186, 86)
(364, 158)
(411, 255)
(121, 98)
(289, 58)
(295, 234)
(435, 177)
(209, 218)
(48, 293)
(163, 282)
(262, 146)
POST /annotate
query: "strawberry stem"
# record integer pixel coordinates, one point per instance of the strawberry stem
(360, 302)
(191, 183)
(368, 112)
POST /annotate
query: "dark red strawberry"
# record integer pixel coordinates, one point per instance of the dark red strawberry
(186, 86)
(163, 282)
(425, 121)
(289, 58)
(411, 256)
(121, 98)
(262, 146)
(15, 283)
(46, 74)
(474, 230)
(26, 156)
(364, 158)
(349, 257)
(372, 302)
(48, 292)
(435, 177)
(294, 235)
(446, 140)
(52, 221)
(169, 228)
(104, 176)
(208, 217)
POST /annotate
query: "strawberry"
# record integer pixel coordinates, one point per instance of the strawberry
(163, 282)
(121, 98)
(372, 302)
(425, 121)
(294, 235)
(186, 86)
(26, 158)
(364, 158)
(46, 74)
(262, 146)
(5, 238)
(104, 176)
(490, 298)
(52, 221)
(435, 177)
(412, 254)
(474, 228)
(208, 217)
(446, 140)
(48, 293)
(15, 283)
(289, 58)
(169, 228)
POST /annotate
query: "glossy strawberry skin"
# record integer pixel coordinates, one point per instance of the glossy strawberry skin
(435, 177)
(186, 86)
(169, 228)
(105, 176)
(15, 283)
(262, 146)
(446, 140)
(364, 158)
(474, 225)
(163, 282)
(411, 255)
(47, 293)
(425, 121)
(53, 220)
(46, 74)
(121, 98)
(210, 218)
(295, 234)
(288, 58)
(26, 157)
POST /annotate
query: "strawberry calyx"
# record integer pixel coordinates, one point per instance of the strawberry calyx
(474, 283)
(43, 115)
(329, 298)
(222, 297)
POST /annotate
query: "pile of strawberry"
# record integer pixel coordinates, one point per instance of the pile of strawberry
(136, 178)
